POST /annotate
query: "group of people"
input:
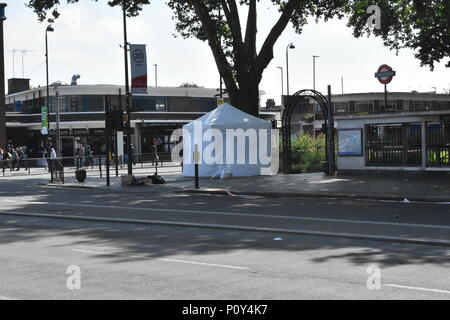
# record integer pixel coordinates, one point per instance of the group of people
(14, 157)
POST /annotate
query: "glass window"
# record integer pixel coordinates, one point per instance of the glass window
(160, 105)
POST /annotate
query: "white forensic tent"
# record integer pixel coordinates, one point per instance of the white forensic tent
(231, 140)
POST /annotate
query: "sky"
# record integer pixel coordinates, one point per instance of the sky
(87, 38)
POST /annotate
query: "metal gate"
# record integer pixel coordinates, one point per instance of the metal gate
(438, 144)
(56, 170)
(327, 110)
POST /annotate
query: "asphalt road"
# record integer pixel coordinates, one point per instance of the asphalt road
(142, 261)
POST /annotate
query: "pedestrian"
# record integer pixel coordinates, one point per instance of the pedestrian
(3, 158)
(155, 157)
(19, 157)
(80, 156)
(52, 159)
(44, 158)
(25, 157)
(132, 155)
(15, 158)
(88, 154)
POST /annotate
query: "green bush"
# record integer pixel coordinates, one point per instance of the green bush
(308, 153)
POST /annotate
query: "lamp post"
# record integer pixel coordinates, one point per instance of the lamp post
(156, 75)
(314, 88)
(282, 84)
(2, 79)
(314, 71)
(49, 29)
(127, 90)
(290, 46)
(58, 131)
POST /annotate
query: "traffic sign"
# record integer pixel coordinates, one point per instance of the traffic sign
(385, 74)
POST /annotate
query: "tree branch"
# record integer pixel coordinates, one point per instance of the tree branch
(266, 53)
(251, 29)
(234, 22)
(212, 34)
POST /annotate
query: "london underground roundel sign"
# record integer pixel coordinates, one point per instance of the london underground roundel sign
(385, 74)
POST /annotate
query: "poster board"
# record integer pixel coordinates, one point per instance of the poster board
(350, 142)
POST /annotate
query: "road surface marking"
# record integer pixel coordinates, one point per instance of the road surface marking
(270, 216)
(421, 241)
(415, 288)
(164, 259)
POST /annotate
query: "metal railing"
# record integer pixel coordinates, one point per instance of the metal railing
(94, 165)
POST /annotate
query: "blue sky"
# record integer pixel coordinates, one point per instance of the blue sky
(87, 37)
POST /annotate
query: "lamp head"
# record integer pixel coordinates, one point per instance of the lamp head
(291, 46)
(2, 11)
(50, 29)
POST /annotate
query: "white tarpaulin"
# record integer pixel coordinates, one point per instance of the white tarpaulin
(230, 142)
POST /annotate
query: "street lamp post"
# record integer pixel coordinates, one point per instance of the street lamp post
(282, 84)
(58, 131)
(314, 88)
(314, 71)
(2, 79)
(127, 90)
(49, 29)
(290, 46)
(156, 75)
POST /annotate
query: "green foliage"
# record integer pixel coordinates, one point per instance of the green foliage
(421, 25)
(308, 153)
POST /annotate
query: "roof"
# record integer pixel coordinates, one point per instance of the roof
(227, 115)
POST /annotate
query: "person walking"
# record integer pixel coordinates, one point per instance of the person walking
(80, 156)
(19, 157)
(52, 159)
(15, 158)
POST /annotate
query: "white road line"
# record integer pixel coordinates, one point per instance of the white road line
(164, 259)
(415, 288)
(270, 216)
(421, 241)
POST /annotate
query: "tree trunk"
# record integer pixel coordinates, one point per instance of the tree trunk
(246, 98)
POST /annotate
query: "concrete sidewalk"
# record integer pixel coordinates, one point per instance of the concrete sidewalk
(315, 185)
(319, 185)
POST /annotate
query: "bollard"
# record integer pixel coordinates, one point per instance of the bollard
(100, 165)
(196, 157)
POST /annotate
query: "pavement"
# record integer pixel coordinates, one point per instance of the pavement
(312, 185)
(146, 242)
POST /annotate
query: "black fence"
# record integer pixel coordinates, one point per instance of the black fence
(438, 144)
(401, 144)
(94, 165)
(394, 144)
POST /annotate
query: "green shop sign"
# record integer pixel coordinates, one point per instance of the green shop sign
(44, 119)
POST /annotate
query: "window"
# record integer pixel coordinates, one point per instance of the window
(364, 106)
(160, 105)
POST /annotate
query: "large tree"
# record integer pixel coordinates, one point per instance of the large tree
(422, 25)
